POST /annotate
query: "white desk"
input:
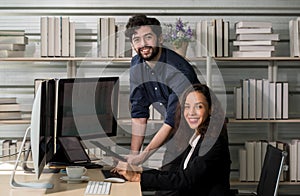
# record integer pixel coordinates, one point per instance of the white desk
(62, 188)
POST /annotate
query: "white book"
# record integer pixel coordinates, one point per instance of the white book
(10, 107)
(256, 48)
(293, 145)
(238, 102)
(245, 84)
(57, 36)
(278, 100)
(243, 164)
(16, 47)
(296, 37)
(104, 37)
(72, 39)
(292, 37)
(285, 100)
(8, 100)
(121, 41)
(111, 37)
(252, 53)
(204, 40)
(252, 98)
(10, 115)
(211, 39)
(51, 29)
(226, 39)
(253, 24)
(13, 39)
(272, 99)
(11, 53)
(253, 43)
(266, 102)
(198, 39)
(257, 36)
(264, 145)
(219, 37)
(156, 114)
(259, 98)
(65, 36)
(5, 148)
(258, 161)
(253, 30)
(44, 36)
(250, 160)
(298, 161)
(12, 32)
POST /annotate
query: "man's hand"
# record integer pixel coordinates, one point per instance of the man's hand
(137, 159)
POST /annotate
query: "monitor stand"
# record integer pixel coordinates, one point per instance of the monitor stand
(16, 184)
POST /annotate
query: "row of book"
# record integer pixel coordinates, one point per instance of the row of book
(251, 158)
(57, 37)
(261, 99)
(13, 43)
(212, 38)
(294, 31)
(10, 109)
(9, 147)
(110, 38)
(254, 39)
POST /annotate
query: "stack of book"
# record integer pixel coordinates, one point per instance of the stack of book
(294, 31)
(10, 109)
(261, 99)
(212, 38)
(12, 43)
(254, 39)
(252, 158)
(57, 37)
(110, 38)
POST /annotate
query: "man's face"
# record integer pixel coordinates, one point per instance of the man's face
(146, 43)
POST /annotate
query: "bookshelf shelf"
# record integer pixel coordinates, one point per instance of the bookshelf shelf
(265, 121)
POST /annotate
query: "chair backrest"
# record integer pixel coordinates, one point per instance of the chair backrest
(270, 173)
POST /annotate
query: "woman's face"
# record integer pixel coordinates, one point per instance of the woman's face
(195, 109)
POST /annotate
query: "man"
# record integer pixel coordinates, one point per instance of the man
(157, 77)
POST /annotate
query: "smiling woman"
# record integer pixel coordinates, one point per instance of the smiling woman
(207, 174)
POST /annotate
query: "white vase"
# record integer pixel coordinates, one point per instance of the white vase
(181, 50)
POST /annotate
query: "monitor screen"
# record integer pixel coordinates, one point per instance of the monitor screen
(87, 107)
(42, 125)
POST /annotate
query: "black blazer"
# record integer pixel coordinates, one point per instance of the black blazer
(204, 175)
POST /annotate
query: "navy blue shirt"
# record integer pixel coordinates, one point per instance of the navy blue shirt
(160, 86)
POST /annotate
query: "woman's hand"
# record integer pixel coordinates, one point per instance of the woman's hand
(130, 172)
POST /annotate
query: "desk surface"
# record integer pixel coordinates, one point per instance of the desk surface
(63, 188)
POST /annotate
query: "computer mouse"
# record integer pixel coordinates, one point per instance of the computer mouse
(114, 179)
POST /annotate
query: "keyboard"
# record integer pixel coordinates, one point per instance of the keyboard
(98, 188)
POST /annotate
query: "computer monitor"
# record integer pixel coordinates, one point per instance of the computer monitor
(86, 109)
(41, 132)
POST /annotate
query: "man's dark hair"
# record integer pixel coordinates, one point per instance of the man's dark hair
(136, 21)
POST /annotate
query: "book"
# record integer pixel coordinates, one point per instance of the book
(253, 30)
(259, 98)
(272, 100)
(204, 39)
(12, 107)
(72, 39)
(12, 32)
(11, 53)
(198, 39)
(253, 24)
(285, 100)
(111, 37)
(219, 37)
(65, 36)
(258, 161)
(257, 36)
(120, 51)
(44, 36)
(256, 48)
(8, 100)
(238, 102)
(293, 146)
(253, 43)
(50, 43)
(245, 84)
(243, 164)
(57, 36)
(278, 100)
(249, 145)
(211, 31)
(226, 39)
(16, 47)
(252, 53)
(252, 98)
(265, 97)
(18, 39)
(10, 115)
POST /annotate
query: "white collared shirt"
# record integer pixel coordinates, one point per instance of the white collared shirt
(193, 142)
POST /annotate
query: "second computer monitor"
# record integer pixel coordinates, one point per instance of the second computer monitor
(87, 107)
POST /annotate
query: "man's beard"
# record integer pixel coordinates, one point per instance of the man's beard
(155, 51)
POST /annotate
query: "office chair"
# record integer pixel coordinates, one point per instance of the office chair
(270, 173)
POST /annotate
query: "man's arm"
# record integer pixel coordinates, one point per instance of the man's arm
(138, 134)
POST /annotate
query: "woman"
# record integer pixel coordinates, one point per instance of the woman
(204, 166)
